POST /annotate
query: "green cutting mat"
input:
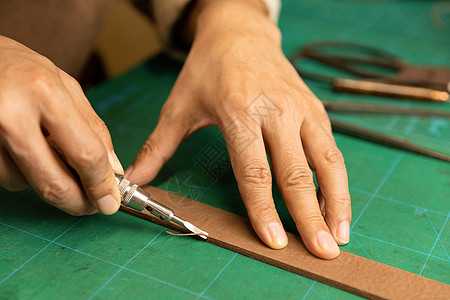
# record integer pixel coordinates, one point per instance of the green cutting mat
(401, 202)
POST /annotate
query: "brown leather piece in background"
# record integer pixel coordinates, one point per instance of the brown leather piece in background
(348, 272)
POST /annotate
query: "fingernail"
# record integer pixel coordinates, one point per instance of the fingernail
(107, 205)
(115, 162)
(277, 234)
(129, 170)
(326, 241)
(343, 232)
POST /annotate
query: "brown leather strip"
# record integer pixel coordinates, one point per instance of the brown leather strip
(348, 272)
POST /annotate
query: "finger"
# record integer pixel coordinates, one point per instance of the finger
(328, 163)
(157, 149)
(83, 149)
(11, 178)
(43, 169)
(295, 181)
(252, 172)
(88, 114)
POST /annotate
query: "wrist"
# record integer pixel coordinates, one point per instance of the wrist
(248, 18)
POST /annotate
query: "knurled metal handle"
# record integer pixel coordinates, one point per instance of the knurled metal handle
(129, 194)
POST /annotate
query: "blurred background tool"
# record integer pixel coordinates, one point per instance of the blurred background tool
(378, 137)
(381, 73)
(367, 108)
(385, 139)
(373, 71)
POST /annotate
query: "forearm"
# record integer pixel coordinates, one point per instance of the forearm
(63, 31)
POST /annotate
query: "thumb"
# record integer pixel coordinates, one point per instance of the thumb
(156, 151)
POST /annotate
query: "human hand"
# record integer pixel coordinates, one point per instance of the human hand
(46, 122)
(235, 63)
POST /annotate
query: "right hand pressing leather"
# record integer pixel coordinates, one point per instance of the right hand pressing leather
(46, 125)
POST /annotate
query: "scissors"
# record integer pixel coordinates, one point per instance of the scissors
(377, 67)
(382, 73)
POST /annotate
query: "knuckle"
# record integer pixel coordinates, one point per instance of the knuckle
(321, 108)
(42, 84)
(103, 129)
(147, 148)
(91, 155)
(324, 121)
(101, 124)
(332, 155)
(152, 147)
(342, 202)
(92, 187)
(264, 210)
(11, 180)
(256, 173)
(298, 176)
(269, 109)
(239, 105)
(8, 121)
(13, 186)
(310, 217)
(5, 125)
(54, 191)
(283, 108)
(233, 94)
(72, 82)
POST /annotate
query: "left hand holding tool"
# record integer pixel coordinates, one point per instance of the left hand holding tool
(48, 130)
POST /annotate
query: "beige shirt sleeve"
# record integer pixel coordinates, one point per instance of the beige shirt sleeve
(165, 13)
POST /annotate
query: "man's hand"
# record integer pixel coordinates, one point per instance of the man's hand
(48, 132)
(236, 77)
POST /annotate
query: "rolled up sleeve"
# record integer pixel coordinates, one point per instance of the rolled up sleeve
(166, 13)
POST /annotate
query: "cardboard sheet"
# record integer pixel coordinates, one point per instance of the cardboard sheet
(348, 272)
